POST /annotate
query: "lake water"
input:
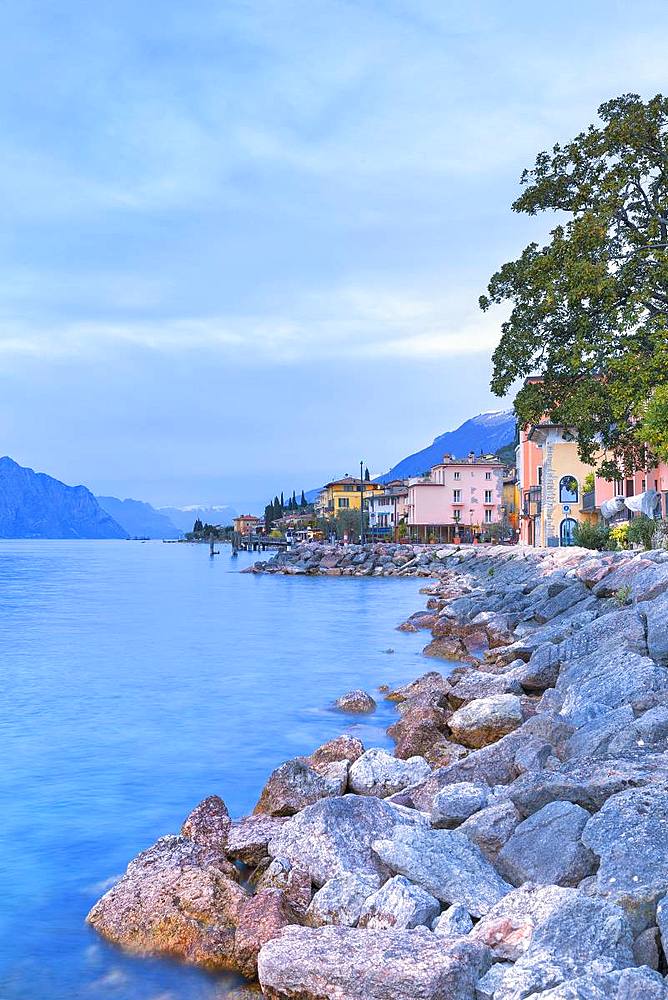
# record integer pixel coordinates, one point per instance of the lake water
(137, 679)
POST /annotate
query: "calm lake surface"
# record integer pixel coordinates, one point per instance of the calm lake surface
(137, 679)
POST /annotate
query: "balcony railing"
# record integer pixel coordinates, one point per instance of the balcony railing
(589, 501)
(532, 502)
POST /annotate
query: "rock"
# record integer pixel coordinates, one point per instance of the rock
(486, 720)
(175, 901)
(557, 604)
(455, 921)
(656, 616)
(455, 803)
(552, 934)
(476, 684)
(294, 785)
(378, 773)
(293, 880)
(646, 948)
(431, 688)
(630, 835)
(400, 904)
(446, 864)
(490, 828)
(341, 900)
(334, 836)
(449, 648)
(341, 748)
(418, 731)
(546, 848)
(340, 963)
(650, 729)
(262, 918)
(594, 737)
(209, 823)
(627, 984)
(550, 921)
(613, 677)
(357, 702)
(642, 578)
(248, 838)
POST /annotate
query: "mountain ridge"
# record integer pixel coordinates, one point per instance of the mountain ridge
(36, 505)
(138, 518)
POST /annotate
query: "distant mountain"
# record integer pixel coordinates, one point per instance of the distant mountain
(139, 519)
(487, 433)
(184, 517)
(34, 505)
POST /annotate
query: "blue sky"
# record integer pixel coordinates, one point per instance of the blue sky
(243, 242)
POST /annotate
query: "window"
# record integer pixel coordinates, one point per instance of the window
(344, 502)
(568, 491)
(644, 485)
(539, 470)
(488, 517)
(457, 516)
(488, 496)
(488, 475)
(458, 475)
(456, 496)
(629, 488)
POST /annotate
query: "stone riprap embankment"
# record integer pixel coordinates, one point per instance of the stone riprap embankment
(379, 559)
(515, 844)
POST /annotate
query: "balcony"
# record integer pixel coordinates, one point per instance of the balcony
(589, 501)
(532, 502)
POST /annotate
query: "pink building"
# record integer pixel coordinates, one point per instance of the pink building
(633, 485)
(459, 498)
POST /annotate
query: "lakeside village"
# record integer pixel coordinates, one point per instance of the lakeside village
(537, 492)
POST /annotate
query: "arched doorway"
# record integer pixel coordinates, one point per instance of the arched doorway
(566, 531)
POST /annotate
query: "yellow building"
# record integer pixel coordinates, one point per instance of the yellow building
(345, 494)
(561, 475)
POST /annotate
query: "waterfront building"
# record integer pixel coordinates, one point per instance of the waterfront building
(551, 480)
(647, 489)
(458, 498)
(387, 510)
(247, 524)
(345, 494)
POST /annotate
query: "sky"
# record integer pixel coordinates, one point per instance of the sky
(243, 241)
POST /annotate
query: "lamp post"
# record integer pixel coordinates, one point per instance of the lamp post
(361, 503)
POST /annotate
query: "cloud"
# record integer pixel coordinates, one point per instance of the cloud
(353, 322)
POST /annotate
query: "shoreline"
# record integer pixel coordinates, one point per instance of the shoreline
(448, 837)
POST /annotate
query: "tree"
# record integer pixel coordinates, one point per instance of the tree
(197, 526)
(282, 501)
(302, 502)
(293, 501)
(367, 477)
(590, 308)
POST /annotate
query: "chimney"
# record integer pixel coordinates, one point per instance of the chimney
(471, 458)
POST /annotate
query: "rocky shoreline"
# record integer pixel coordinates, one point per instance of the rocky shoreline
(514, 845)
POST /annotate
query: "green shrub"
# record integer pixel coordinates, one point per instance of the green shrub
(641, 529)
(589, 482)
(591, 536)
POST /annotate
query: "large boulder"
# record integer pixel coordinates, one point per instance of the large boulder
(341, 900)
(399, 903)
(455, 803)
(552, 934)
(376, 772)
(177, 899)
(294, 785)
(630, 836)
(611, 676)
(625, 984)
(334, 836)
(343, 747)
(262, 918)
(356, 702)
(341, 963)
(490, 828)
(656, 614)
(472, 685)
(547, 848)
(248, 838)
(446, 864)
(453, 922)
(209, 823)
(486, 720)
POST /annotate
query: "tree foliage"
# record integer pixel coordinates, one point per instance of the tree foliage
(590, 308)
